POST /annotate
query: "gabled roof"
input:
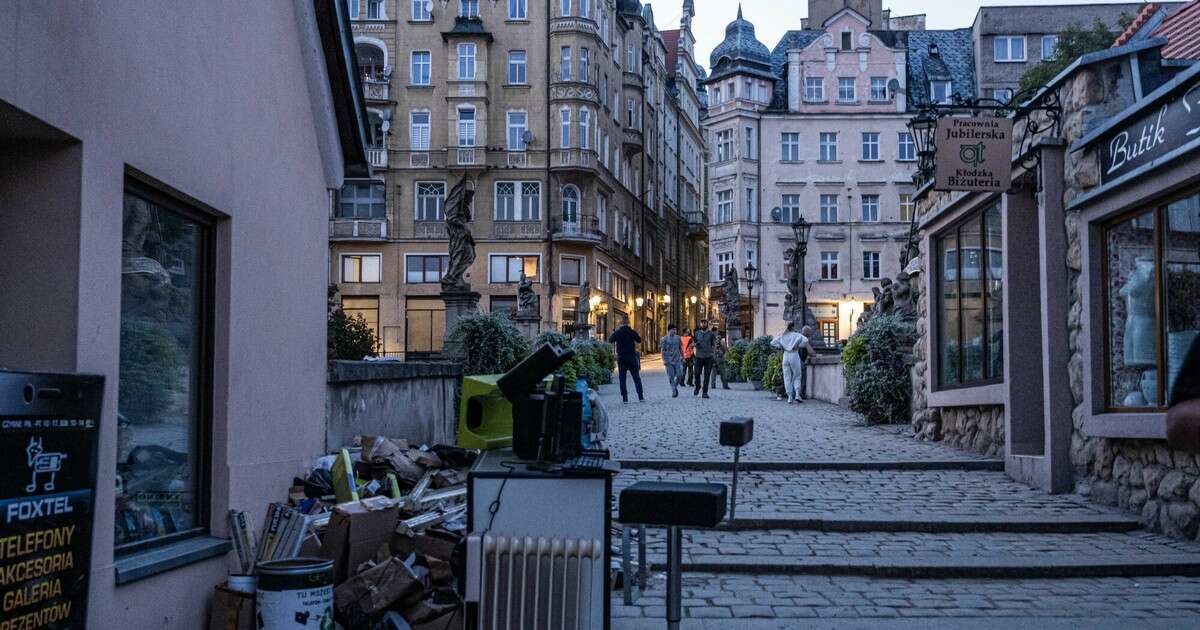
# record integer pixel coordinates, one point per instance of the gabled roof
(790, 40)
(954, 61)
(1136, 25)
(1182, 30)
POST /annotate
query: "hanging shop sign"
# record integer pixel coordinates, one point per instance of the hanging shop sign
(973, 154)
(49, 424)
(1153, 134)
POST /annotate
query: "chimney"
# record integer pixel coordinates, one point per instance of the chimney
(794, 84)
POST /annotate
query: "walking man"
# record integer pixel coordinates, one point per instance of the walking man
(689, 351)
(705, 342)
(719, 367)
(625, 341)
(792, 342)
(672, 355)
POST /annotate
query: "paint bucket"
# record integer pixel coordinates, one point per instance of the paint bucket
(295, 593)
(242, 583)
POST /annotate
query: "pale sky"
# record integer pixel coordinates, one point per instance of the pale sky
(772, 18)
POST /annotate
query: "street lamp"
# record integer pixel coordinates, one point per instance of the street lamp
(751, 277)
(923, 127)
(801, 230)
(639, 302)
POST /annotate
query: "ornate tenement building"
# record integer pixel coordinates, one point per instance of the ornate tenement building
(581, 130)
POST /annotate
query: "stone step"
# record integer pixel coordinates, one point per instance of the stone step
(936, 523)
(695, 465)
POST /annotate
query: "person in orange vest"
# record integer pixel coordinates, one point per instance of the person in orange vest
(688, 353)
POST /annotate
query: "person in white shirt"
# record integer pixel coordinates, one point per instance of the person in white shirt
(792, 342)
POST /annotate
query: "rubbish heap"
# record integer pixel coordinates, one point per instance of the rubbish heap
(390, 516)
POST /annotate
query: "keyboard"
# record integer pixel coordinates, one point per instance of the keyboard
(589, 463)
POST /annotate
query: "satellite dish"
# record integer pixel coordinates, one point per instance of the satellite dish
(894, 88)
(776, 213)
(527, 137)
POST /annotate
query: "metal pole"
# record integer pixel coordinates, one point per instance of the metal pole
(737, 457)
(674, 577)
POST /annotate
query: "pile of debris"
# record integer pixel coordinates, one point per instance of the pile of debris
(389, 516)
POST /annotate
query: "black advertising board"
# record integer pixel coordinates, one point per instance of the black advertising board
(1169, 124)
(49, 425)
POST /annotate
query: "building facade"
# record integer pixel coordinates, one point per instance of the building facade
(569, 127)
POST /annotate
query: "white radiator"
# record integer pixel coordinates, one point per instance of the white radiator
(523, 583)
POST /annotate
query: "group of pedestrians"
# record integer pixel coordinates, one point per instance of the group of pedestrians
(698, 359)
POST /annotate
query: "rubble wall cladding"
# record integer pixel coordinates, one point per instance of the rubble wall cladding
(1144, 477)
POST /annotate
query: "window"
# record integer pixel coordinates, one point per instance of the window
(517, 63)
(631, 56)
(418, 131)
(421, 65)
(1151, 301)
(570, 207)
(565, 64)
(724, 145)
(570, 304)
(518, 201)
(466, 127)
(466, 61)
(814, 89)
(879, 89)
(1009, 48)
(789, 147)
(870, 145)
(716, 99)
(584, 8)
(1004, 95)
(352, 5)
(163, 389)
(370, 61)
(724, 206)
(584, 59)
(361, 267)
(790, 209)
(870, 208)
(361, 201)
(724, 265)
(1049, 47)
(847, 40)
(431, 199)
(829, 329)
(420, 268)
(829, 265)
(751, 205)
(870, 265)
(420, 10)
(846, 91)
(631, 107)
(751, 154)
(571, 270)
(829, 146)
(602, 213)
(374, 9)
(603, 278)
(518, 123)
(620, 287)
(939, 91)
(506, 304)
(504, 268)
(564, 128)
(566, 7)
(517, 10)
(585, 121)
(908, 207)
(468, 8)
(969, 298)
(829, 208)
(906, 148)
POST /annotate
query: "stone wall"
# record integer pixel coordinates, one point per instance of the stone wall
(1139, 476)
(409, 400)
(979, 429)
(826, 379)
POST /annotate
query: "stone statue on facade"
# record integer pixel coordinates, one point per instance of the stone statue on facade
(527, 300)
(731, 300)
(458, 232)
(583, 307)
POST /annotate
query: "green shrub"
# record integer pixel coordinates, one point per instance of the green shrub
(733, 359)
(877, 379)
(349, 338)
(754, 363)
(773, 376)
(594, 360)
(491, 343)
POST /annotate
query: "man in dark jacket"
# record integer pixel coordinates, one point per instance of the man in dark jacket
(705, 342)
(625, 341)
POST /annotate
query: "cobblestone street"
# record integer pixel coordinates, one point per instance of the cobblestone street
(852, 526)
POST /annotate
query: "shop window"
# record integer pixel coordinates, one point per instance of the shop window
(424, 327)
(969, 297)
(1152, 297)
(164, 393)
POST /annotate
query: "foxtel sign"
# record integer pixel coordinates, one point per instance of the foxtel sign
(1155, 133)
(973, 153)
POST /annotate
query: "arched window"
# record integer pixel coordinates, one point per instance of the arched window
(570, 207)
(371, 60)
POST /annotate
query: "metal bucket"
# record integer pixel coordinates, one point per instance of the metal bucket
(296, 593)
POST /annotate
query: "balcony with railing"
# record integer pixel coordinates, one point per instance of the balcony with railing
(632, 79)
(571, 24)
(376, 89)
(466, 157)
(632, 140)
(572, 159)
(350, 229)
(697, 222)
(582, 229)
(378, 157)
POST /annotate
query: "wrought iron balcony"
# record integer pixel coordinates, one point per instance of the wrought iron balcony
(376, 89)
(584, 229)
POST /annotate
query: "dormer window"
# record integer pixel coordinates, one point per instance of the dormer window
(939, 91)
(847, 40)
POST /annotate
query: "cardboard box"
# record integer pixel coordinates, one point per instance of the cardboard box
(356, 529)
(377, 589)
(232, 610)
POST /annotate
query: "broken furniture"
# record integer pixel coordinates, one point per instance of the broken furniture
(674, 506)
(736, 432)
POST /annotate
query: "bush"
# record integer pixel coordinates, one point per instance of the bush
(594, 360)
(754, 363)
(733, 359)
(773, 376)
(349, 338)
(877, 379)
(491, 343)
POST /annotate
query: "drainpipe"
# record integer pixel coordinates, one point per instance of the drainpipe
(551, 285)
(758, 230)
